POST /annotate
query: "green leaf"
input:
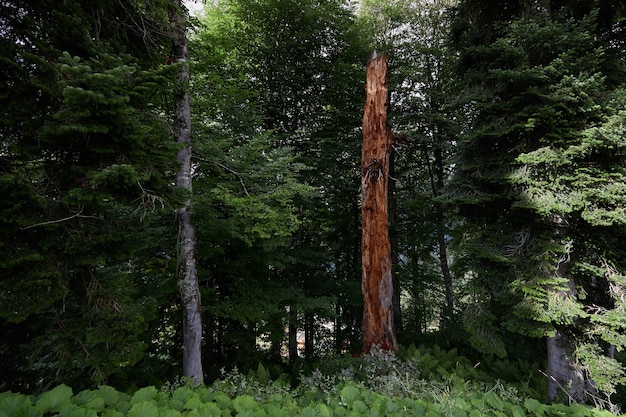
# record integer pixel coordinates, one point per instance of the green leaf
(182, 394)
(144, 409)
(147, 393)
(492, 399)
(169, 413)
(222, 400)
(244, 403)
(14, 404)
(54, 399)
(193, 403)
(359, 406)
(109, 394)
(89, 399)
(349, 394)
(322, 410)
(112, 413)
(532, 405)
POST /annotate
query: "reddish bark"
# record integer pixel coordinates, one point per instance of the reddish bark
(377, 286)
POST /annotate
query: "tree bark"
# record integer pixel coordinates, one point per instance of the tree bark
(377, 284)
(564, 379)
(187, 273)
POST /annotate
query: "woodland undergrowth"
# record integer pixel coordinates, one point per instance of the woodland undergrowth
(416, 382)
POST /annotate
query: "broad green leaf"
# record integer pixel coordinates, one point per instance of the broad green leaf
(182, 394)
(147, 393)
(144, 409)
(83, 412)
(349, 394)
(517, 411)
(169, 413)
(244, 403)
(359, 406)
(193, 403)
(222, 400)
(112, 413)
(67, 410)
(54, 399)
(322, 410)
(492, 399)
(532, 405)
(11, 403)
(109, 394)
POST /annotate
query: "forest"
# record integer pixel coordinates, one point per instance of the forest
(182, 208)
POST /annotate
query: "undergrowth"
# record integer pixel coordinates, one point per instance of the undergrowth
(427, 382)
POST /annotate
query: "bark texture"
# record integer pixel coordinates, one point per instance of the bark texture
(377, 285)
(565, 380)
(187, 274)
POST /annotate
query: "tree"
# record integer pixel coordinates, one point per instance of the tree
(188, 274)
(83, 194)
(273, 182)
(533, 213)
(378, 328)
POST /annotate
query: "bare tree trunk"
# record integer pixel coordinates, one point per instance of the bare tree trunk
(436, 175)
(187, 273)
(393, 238)
(564, 379)
(309, 335)
(293, 334)
(377, 283)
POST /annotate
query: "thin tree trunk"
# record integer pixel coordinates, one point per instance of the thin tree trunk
(337, 329)
(309, 335)
(187, 274)
(436, 175)
(293, 334)
(377, 283)
(393, 238)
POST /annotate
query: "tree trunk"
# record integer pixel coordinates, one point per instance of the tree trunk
(187, 273)
(393, 238)
(293, 334)
(377, 285)
(309, 335)
(436, 175)
(564, 380)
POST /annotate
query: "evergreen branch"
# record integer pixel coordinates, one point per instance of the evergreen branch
(73, 216)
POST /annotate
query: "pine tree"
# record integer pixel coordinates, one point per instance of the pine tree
(84, 175)
(535, 191)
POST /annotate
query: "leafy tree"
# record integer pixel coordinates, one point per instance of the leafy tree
(282, 75)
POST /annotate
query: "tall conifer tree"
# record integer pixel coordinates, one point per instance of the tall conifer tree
(540, 195)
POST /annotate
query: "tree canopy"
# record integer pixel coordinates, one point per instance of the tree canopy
(506, 185)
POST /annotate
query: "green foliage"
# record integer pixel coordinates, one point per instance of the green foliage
(86, 186)
(444, 393)
(539, 186)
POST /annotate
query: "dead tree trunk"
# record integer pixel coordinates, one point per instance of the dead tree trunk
(377, 286)
(187, 273)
